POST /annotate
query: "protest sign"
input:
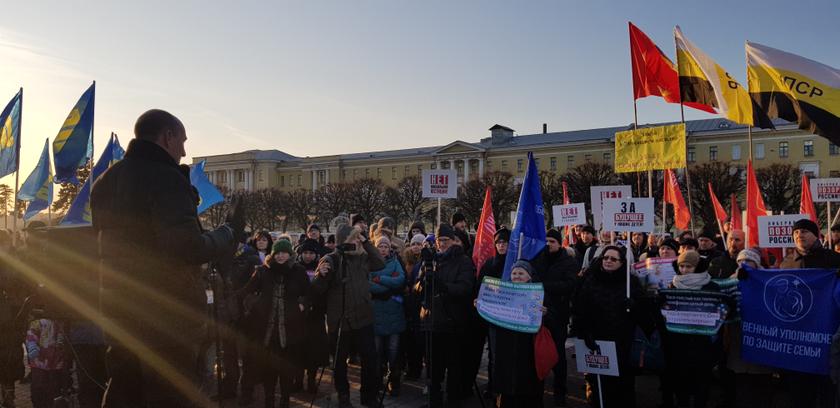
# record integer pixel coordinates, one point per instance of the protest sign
(788, 317)
(776, 231)
(514, 306)
(569, 214)
(655, 272)
(825, 190)
(600, 193)
(440, 183)
(651, 148)
(603, 363)
(629, 214)
(694, 311)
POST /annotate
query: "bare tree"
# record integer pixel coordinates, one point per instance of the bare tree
(273, 207)
(367, 197)
(470, 200)
(299, 207)
(215, 215)
(331, 200)
(411, 197)
(392, 205)
(781, 185)
(505, 194)
(551, 188)
(580, 178)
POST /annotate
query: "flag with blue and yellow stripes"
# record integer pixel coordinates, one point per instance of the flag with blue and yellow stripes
(70, 147)
(10, 135)
(79, 212)
(208, 194)
(38, 187)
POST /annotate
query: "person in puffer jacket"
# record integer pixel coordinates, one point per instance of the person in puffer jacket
(386, 288)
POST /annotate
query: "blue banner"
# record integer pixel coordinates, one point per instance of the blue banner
(208, 194)
(528, 236)
(788, 317)
(79, 212)
(10, 135)
(38, 187)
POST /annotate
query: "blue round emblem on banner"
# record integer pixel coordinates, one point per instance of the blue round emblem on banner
(787, 297)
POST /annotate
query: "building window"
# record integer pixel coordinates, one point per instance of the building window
(282, 181)
(406, 171)
(736, 152)
(367, 173)
(833, 149)
(691, 156)
(393, 172)
(784, 149)
(504, 165)
(758, 151)
(419, 169)
(240, 176)
(553, 164)
(519, 165)
(355, 173)
(260, 173)
(809, 148)
(587, 157)
(379, 173)
(300, 180)
(343, 175)
(570, 161)
(433, 166)
(713, 153)
(607, 157)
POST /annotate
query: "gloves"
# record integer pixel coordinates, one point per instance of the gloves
(591, 344)
(236, 217)
(741, 273)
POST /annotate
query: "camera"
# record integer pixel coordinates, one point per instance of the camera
(346, 247)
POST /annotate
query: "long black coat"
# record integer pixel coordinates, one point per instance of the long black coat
(144, 210)
(316, 352)
(558, 274)
(446, 310)
(514, 369)
(263, 282)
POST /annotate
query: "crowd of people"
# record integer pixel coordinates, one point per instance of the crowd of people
(401, 307)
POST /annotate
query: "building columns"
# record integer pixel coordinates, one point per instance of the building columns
(481, 167)
(466, 170)
(314, 180)
(230, 182)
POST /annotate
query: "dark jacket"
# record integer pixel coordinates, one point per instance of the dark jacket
(316, 352)
(580, 250)
(263, 281)
(685, 353)
(558, 274)
(817, 257)
(514, 368)
(450, 305)
(493, 267)
(144, 210)
(722, 267)
(352, 295)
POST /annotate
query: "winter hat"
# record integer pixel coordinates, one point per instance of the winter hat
(313, 227)
(418, 239)
(281, 245)
(465, 239)
(344, 233)
(588, 228)
(553, 233)
(524, 265)
(690, 242)
(418, 225)
(502, 234)
(748, 255)
(689, 257)
(707, 234)
(458, 217)
(383, 240)
(308, 245)
(807, 224)
(357, 218)
(331, 239)
(445, 230)
(430, 238)
(671, 243)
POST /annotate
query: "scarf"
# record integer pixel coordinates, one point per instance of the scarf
(692, 281)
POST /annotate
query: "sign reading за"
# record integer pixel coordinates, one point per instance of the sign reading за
(629, 214)
(776, 231)
(590, 362)
(600, 193)
(569, 214)
(440, 183)
(825, 190)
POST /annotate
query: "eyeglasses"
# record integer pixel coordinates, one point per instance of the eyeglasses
(612, 259)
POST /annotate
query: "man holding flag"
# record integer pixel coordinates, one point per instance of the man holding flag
(152, 245)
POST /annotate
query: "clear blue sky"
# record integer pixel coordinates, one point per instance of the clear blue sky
(329, 77)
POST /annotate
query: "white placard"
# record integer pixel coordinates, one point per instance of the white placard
(589, 362)
(569, 214)
(440, 183)
(825, 190)
(600, 193)
(776, 231)
(629, 214)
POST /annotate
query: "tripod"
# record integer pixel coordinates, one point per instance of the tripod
(428, 257)
(214, 279)
(343, 280)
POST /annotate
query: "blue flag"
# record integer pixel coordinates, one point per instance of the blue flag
(788, 317)
(70, 147)
(38, 187)
(10, 135)
(79, 212)
(528, 236)
(208, 194)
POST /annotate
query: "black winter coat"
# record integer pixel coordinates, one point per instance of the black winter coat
(453, 281)
(514, 368)
(151, 244)
(316, 353)
(263, 282)
(722, 267)
(558, 274)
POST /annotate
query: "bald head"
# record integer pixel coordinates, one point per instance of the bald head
(735, 242)
(164, 129)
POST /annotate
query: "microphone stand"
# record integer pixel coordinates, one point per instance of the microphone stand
(429, 300)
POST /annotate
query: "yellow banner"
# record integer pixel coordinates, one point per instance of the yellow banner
(653, 148)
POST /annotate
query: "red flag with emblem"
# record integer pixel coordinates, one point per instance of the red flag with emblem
(485, 247)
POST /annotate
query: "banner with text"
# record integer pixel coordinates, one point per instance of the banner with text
(652, 148)
(776, 231)
(603, 362)
(788, 317)
(569, 214)
(825, 190)
(514, 306)
(694, 311)
(600, 193)
(655, 272)
(440, 183)
(629, 214)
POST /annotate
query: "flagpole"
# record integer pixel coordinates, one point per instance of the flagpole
(17, 168)
(649, 172)
(92, 123)
(519, 251)
(687, 175)
(828, 227)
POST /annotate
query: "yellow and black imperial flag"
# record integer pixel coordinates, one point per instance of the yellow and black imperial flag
(702, 80)
(795, 89)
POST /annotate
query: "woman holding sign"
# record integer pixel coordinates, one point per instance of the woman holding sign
(601, 311)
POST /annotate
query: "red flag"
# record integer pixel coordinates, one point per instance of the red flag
(485, 247)
(755, 206)
(569, 239)
(653, 73)
(807, 205)
(720, 213)
(673, 196)
(736, 214)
